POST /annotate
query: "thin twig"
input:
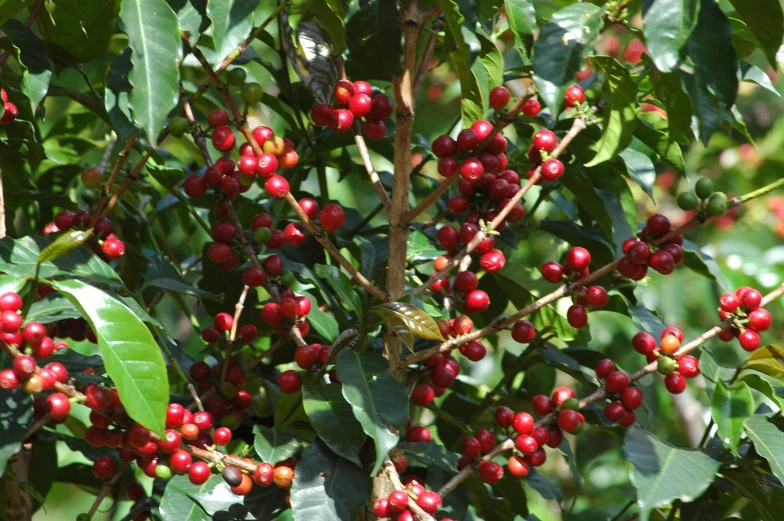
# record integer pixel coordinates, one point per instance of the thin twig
(424, 62)
(105, 490)
(107, 188)
(238, 307)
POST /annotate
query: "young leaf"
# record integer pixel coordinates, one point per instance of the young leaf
(454, 21)
(232, 21)
(663, 473)
(560, 49)
(154, 37)
(274, 445)
(667, 25)
(730, 407)
(66, 242)
(131, 355)
(408, 321)
(333, 420)
(768, 441)
(327, 487)
(379, 400)
(767, 360)
(326, 15)
(620, 113)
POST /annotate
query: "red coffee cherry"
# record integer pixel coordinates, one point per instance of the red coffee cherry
(466, 281)
(542, 404)
(486, 440)
(277, 186)
(688, 366)
(675, 383)
(360, 105)
(616, 382)
(423, 394)
(382, 107)
(471, 169)
(552, 272)
(751, 299)
(222, 436)
(113, 248)
(749, 340)
(321, 114)
(417, 434)
(504, 416)
(341, 120)
(223, 138)
(614, 411)
(429, 501)
(577, 316)
(180, 461)
(374, 129)
(759, 320)
(476, 301)
(289, 381)
(596, 296)
(306, 356)
(545, 140)
(199, 473)
(658, 226)
(344, 91)
(644, 343)
(561, 394)
(499, 97)
(573, 96)
(568, 420)
(631, 398)
(531, 108)
(523, 332)
(103, 467)
(332, 217)
(518, 467)
(729, 302)
(59, 406)
(662, 261)
(577, 259)
(398, 501)
(218, 118)
(523, 423)
(604, 367)
(492, 261)
(490, 472)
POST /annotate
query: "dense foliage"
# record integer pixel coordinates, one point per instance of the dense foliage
(428, 259)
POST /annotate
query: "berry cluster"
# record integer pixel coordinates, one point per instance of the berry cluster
(624, 400)
(396, 504)
(464, 290)
(640, 252)
(354, 100)
(747, 318)
(704, 199)
(291, 310)
(576, 266)
(470, 155)
(675, 369)
(11, 112)
(103, 242)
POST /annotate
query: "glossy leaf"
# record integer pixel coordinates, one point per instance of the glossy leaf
(662, 473)
(85, 27)
(767, 360)
(154, 37)
(51, 309)
(408, 321)
(620, 113)
(428, 455)
(327, 487)
(64, 243)
(730, 407)
(131, 355)
(768, 441)
(761, 385)
(342, 286)
(639, 166)
(712, 372)
(454, 20)
(36, 71)
(373, 38)
(116, 95)
(710, 48)
(274, 445)
(325, 14)
(661, 143)
(333, 419)
(311, 57)
(161, 273)
(232, 21)
(472, 103)
(667, 25)
(700, 262)
(16, 415)
(379, 401)
(765, 21)
(762, 490)
(560, 49)
(522, 17)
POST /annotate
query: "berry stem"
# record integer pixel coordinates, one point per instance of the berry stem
(106, 189)
(389, 468)
(444, 186)
(106, 489)
(578, 125)
(737, 201)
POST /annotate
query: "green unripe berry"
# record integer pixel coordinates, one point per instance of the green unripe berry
(717, 204)
(236, 76)
(251, 93)
(163, 471)
(571, 403)
(262, 235)
(703, 188)
(178, 126)
(665, 365)
(230, 421)
(687, 201)
(227, 390)
(288, 278)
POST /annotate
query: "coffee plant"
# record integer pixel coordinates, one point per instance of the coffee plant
(355, 259)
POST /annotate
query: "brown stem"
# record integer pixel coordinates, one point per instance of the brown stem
(106, 189)
(424, 62)
(127, 182)
(106, 489)
(389, 469)
(578, 125)
(446, 183)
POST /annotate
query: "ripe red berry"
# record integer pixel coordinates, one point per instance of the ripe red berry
(381, 508)
(662, 262)
(113, 248)
(24, 366)
(423, 394)
(577, 259)
(344, 91)
(644, 343)
(631, 398)
(658, 225)
(294, 234)
(471, 169)
(523, 423)
(374, 130)
(577, 316)
(604, 367)
(474, 351)
(545, 140)
(306, 356)
(729, 302)
(675, 383)
(223, 138)
(596, 296)
(447, 237)
(11, 301)
(222, 436)
(341, 120)
(398, 501)
(253, 276)
(491, 472)
(223, 321)
(542, 404)
(382, 107)
(289, 381)
(504, 416)
(526, 444)
(518, 467)
(531, 108)
(59, 406)
(749, 340)
(103, 467)
(523, 332)
(492, 261)
(218, 118)
(466, 281)
(321, 114)
(614, 411)
(429, 501)
(277, 186)
(486, 440)
(332, 217)
(688, 366)
(616, 382)
(573, 96)
(561, 394)
(552, 272)
(499, 97)
(360, 105)
(180, 461)
(568, 420)
(759, 320)
(476, 301)
(199, 473)
(751, 299)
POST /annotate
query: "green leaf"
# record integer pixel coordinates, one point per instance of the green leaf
(9, 8)
(764, 387)
(620, 113)
(19, 258)
(765, 21)
(472, 103)
(712, 372)
(491, 63)
(325, 15)
(522, 17)
(700, 262)
(341, 283)
(454, 21)
(232, 22)
(333, 420)
(661, 143)
(374, 39)
(754, 74)
(560, 49)
(601, 251)
(663, 473)
(36, 71)
(323, 322)
(710, 48)
(51, 309)
(667, 25)
(763, 491)
(311, 58)
(379, 401)
(84, 28)
(427, 455)
(131, 355)
(116, 95)
(767, 360)
(192, 17)
(768, 441)
(705, 107)
(678, 106)
(730, 407)
(408, 321)
(64, 243)
(274, 445)
(16, 415)
(154, 36)
(162, 273)
(327, 487)
(639, 166)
